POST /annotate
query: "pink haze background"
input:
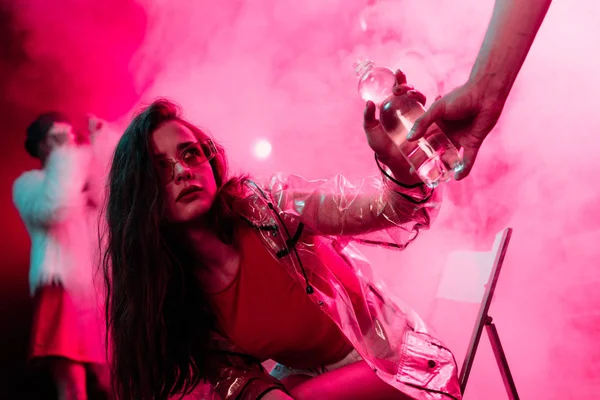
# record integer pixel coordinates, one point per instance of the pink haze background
(281, 70)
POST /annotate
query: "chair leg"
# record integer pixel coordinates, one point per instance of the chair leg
(509, 383)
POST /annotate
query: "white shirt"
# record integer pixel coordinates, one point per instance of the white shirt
(55, 210)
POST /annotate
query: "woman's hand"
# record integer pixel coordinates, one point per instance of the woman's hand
(381, 143)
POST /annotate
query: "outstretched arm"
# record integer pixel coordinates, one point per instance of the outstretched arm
(388, 210)
(373, 210)
(470, 112)
(512, 29)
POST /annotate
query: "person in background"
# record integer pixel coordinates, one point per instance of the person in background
(469, 113)
(59, 205)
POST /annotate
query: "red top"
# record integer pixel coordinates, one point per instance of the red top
(269, 315)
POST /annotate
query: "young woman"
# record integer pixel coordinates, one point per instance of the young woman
(208, 276)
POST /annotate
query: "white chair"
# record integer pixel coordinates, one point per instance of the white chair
(478, 272)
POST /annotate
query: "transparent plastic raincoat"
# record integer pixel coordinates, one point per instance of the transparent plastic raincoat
(300, 223)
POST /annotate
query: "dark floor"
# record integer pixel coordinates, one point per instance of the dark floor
(17, 379)
(37, 385)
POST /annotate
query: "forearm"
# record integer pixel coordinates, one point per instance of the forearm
(510, 34)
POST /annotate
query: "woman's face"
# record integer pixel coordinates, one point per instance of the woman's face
(185, 172)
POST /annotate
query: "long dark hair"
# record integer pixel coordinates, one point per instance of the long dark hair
(157, 319)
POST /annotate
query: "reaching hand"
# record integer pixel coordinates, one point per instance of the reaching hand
(466, 116)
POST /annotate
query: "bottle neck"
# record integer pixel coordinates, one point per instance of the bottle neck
(362, 67)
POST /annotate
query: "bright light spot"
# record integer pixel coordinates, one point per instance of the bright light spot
(262, 148)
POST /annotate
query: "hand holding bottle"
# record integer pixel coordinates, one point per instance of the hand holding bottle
(381, 143)
(434, 157)
(466, 116)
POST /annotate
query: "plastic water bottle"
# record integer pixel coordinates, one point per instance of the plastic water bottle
(434, 157)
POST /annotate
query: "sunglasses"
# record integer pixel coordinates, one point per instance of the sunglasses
(192, 156)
